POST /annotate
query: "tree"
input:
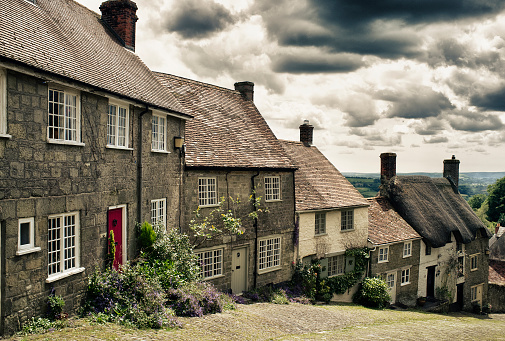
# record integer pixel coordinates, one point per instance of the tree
(476, 201)
(496, 200)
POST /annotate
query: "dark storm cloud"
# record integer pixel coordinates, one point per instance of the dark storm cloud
(386, 28)
(491, 100)
(197, 18)
(317, 63)
(431, 126)
(474, 121)
(416, 102)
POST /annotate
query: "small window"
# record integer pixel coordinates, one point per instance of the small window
(405, 276)
(272, 188)
(63, 245)
(383, 254)
(117, 125)
(3, 102)
(320, 223)
(474, 262)
(473, 293)
(428, 250)
(461, 266)
(159, 212)
(347, 220)
(269, 254)
(407, 249)
(336, 265)
(159, 133)
(390, 280)
(26, 236)
(64, 116)
(211, 263)
(207, 192)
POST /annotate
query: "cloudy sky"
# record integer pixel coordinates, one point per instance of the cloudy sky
(424, 79)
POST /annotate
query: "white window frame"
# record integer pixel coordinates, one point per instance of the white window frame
(391, 279)
(405, 276)
(336, 265)
(159, 133)
(272, 188)
(211, 263)
(345, 220)
(319, 223)
(269, 254)
(159, 212)
(474, 262)
(56, 247)
(207, 192)
(3, 104)
(407, 249)
(30, 246)
(114, 127)
(64, 128)
(384, 257)
(473, 293)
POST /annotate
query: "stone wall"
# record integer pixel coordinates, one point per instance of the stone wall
(496, 293)
(279, 220)
(38, 179)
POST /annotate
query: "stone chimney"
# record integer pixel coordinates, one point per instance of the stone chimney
(388, 167)
(246, 89)
(451, 170)
(120, 16)
(306, 133)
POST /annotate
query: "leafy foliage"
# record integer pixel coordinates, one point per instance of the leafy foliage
(373, 293)
(476, 201)
(55, 306)
(111, 255)
(41, 325)
(147, 236)
(496, 200)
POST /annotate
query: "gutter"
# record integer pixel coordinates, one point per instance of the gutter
(139, 167)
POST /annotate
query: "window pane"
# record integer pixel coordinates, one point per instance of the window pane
(24, 233)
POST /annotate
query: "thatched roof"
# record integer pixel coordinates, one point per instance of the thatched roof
(434, 209)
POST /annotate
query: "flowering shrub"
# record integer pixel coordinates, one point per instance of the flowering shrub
(281, 294)
(373, 293)
(42, 325)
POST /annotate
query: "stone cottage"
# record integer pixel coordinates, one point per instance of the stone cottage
(331, 213)
(86, 144)
(453, 260)
(395, 251)
(496, 292)
(232, 154)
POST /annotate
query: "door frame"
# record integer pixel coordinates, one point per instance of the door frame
(392, 289)
(124, 247)
(246, 274)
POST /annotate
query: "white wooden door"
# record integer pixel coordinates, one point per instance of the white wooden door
(239, 270)
(391, 282)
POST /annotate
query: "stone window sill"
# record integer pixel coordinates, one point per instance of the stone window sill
(65, 274)
(27, 251)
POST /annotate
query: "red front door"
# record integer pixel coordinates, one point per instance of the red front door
(115, 223)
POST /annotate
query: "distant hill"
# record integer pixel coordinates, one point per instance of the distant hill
(470, 183)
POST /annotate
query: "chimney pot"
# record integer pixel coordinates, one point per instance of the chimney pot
(306, 133)
(246, 89)
(451, 170)
(120, 16)
(388, 167)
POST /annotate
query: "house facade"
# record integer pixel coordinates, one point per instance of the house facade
(233, 157)
(332, 215)
(453, 259)
(395, 249)
(86, 145)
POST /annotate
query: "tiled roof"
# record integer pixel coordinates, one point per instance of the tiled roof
(497, 272)
(434, 209)
(497, 247)
(227, 129)
(385, 225)
(64, 38)
(318, 184)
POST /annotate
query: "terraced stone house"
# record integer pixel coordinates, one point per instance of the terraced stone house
(332, 215)
(86, 145)
(232, 153)
(453, 256)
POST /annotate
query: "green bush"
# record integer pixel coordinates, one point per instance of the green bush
(280, 297)
(55, 306)
(147, 236)
(41, 325)
(373, 293)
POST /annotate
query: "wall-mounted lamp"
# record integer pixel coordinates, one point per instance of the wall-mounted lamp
(178, 142)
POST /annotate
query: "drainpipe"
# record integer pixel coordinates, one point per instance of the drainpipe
(139, 168)
(255, 226)
(182, 156)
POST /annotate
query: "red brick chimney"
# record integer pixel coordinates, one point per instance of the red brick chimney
(306, 133)
(120, 16)
(246, 89)
(451, 170)
(388, 167)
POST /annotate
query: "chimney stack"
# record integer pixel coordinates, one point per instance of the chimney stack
(388, 167)
(120, 16)
(246, 89)
(306, 133)
(451, 170)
